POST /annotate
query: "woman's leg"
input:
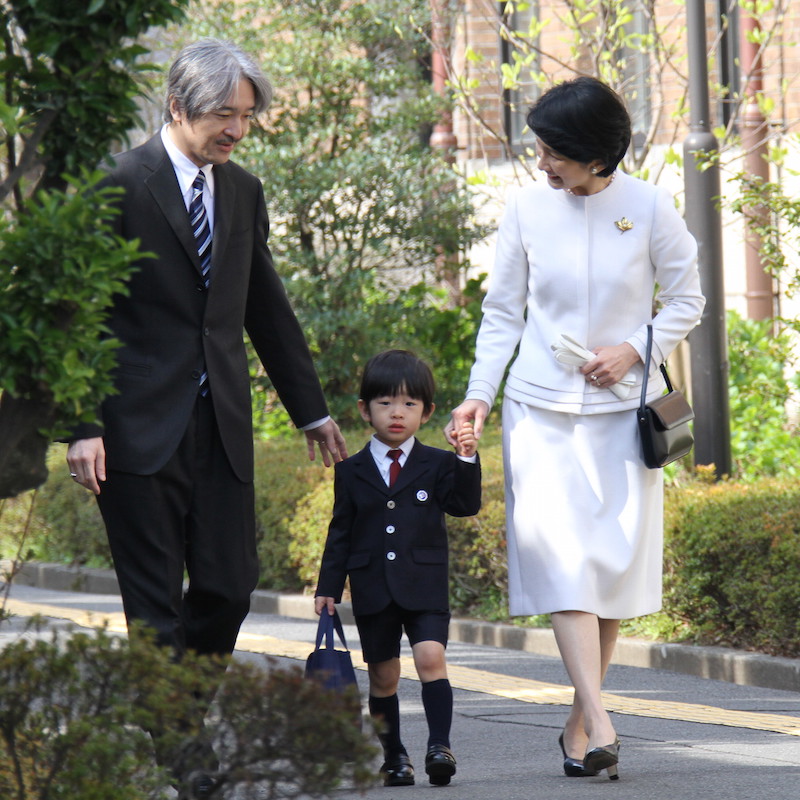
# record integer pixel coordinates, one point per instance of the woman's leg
(586, 644)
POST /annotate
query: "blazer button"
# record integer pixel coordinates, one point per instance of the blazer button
(390, 529)
(391, 555)
(196, 374)
(201, 287)
(206, 331)
(391, 504)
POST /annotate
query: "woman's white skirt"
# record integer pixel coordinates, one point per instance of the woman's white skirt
(584, 515)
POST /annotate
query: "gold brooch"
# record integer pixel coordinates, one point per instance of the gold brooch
(624, 224)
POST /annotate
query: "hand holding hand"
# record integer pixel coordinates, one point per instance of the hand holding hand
(474, 411)
(467, 442)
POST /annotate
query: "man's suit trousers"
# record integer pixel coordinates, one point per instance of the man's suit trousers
(194, 515)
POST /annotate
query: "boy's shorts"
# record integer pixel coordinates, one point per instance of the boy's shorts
(381, 633)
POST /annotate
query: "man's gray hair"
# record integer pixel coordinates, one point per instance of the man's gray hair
(205, 73)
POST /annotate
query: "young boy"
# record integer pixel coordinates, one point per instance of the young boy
(388, 534)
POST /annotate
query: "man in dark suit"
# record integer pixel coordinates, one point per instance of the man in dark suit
(172, 461)
(388, 534)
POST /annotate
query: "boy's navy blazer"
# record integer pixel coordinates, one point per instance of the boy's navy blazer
(392, 542)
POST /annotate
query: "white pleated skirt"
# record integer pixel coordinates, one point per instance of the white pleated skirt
(584, 515)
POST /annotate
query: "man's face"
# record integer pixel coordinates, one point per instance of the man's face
(210, 139)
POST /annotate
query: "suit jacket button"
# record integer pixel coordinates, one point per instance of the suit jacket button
(391, 555)
(206, 331)
(196, 374)
(390, 529)
(391, 504)
(200, 287)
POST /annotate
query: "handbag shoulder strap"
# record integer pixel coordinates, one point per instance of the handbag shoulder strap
(647, 356)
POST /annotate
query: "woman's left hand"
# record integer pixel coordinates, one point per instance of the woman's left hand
(610, 365)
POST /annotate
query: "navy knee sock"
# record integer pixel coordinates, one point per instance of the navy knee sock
(387, 711)
(437, 700)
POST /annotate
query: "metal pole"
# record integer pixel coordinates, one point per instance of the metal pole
(708, 342)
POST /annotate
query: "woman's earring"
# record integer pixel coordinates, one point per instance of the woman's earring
(594, 170)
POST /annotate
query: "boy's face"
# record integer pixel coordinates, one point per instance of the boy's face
(395, 418)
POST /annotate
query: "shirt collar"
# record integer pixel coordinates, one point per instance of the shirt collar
(379, 449)
(185, 169)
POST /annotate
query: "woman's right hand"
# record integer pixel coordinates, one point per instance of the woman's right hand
(474, 411)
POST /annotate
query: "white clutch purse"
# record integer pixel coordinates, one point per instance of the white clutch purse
(568, 351)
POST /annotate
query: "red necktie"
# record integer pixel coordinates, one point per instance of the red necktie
(394, 469)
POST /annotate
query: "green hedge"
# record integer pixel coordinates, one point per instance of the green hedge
(732, 564)
(732, 551)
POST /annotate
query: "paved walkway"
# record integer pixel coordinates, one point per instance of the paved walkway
(683, 737)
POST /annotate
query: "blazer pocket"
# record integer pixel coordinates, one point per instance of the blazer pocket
(142, 370)
(357, 561)
(429, 555)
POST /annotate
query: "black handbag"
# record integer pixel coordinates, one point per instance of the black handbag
(663, 422)
(331, 668)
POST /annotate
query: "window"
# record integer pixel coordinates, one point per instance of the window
(514, 48)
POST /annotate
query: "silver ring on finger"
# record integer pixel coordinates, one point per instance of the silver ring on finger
(593, 377)
(73, 474)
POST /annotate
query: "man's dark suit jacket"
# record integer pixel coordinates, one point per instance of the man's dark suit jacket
(392, 542)
(170, 325)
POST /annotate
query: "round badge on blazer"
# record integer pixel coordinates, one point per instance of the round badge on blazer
(390, 529)
(391, 555)
(391, 504)
(422, 495)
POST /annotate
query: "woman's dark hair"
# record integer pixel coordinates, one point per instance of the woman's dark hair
(584, 120)
(396, 372)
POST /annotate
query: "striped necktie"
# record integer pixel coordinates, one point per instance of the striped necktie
(200, 226)
(202, 234)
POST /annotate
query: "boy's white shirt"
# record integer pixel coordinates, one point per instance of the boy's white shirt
(380, 450)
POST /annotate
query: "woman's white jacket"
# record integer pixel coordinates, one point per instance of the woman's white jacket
(590, 267)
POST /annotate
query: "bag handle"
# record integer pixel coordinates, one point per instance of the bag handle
(647, 357)
(327, 624)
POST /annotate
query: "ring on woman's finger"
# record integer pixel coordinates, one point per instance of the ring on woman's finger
(73, 474)
(593, 377)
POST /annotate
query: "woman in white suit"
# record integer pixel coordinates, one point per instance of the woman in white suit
(584, 514)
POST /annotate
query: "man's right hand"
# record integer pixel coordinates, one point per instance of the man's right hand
(87, 462)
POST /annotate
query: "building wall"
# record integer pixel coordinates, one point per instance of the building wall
(476, 61)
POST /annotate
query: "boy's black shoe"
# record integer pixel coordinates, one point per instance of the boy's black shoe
(398, 771)
(440, 764)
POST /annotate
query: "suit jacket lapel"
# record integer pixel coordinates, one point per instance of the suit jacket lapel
(224, 203)
(163, 185)
(367, 469)
(416, 463)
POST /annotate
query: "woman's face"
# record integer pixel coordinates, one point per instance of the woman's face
(564, 173)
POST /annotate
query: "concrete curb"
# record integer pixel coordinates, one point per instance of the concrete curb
(718, 663)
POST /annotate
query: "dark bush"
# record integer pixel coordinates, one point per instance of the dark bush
(74, 710)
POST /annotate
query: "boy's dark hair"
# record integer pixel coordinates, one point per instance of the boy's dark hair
(583, 119)
(394, 372)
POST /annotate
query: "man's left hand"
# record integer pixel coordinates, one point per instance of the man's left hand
(330, 440)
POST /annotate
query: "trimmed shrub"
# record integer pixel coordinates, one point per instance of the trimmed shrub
(732, 564)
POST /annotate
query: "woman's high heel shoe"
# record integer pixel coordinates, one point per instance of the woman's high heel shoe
(573, 767)
(603, 758)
